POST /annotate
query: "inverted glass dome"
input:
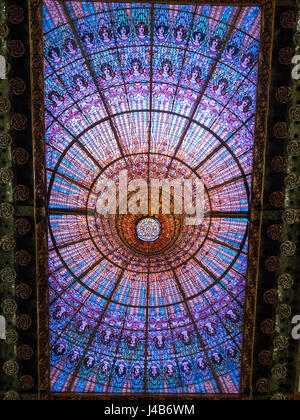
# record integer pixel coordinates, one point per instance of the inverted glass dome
(144, 303)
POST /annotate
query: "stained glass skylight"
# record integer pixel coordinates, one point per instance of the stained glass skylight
(162, 91)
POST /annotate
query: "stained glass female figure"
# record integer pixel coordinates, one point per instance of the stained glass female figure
(171, 375)
(82, 327)
(166, 70)
(198, 37)
(232, 315)
(137, 370)
(201, 371)
(119, 376)
(245, 104)
(186, 367)
(216, 358)
(136, 68)
(74, 356)
(154, 377)
(55, 98)
(88, 40)
(215, 44)
(80, 82)
(104, 367)
(221, 87)
(59, 349)
(170, 370)
(247, 61)
(54, 55)
(159, 341)
(231, 352)
(59, 312)
(231, 52)
(105, 35)
(195, 76)
(201, 363)
(180, 34)
(107, 72)
(185, 337)
(142, 31)
(89, 361)
(132, 341)
(137, 376)
(103, 373)
(106, 336)
(124, 31)
(162, 32)
(70, 46)
(209, 328)
(154, 371)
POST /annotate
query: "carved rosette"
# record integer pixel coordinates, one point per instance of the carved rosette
(17, 86)
(265, 357)
(5, 140)
(6, 210)
(21, 193)
(263, 386)
(19, 122)
(24, 322)
(23, 291)
(275, 232)
(267, 327)
(6, 175)
(297, 38)
(5, 105)
(11, 337)
(11, 396)
(293, 149)
(292, 181)
(272, 264)
(290, 216)
(16, 49)
(9, 307)
(3, 30)
(7, 243)
(8, 275)
(285, 56)
(11, 368)
(283, 311)
(295, 113)
(22, 258)
(277, 199)
(278, 397)
(284, 94)
(25, 352)
(15, 14)
(281, 343)
(288, 248)
(288, 19)
(271, 296)
(26, 382)
(279, 372)
(22, 227)
(281, 130)
(279, 164)
(286, 281)
(20, 156)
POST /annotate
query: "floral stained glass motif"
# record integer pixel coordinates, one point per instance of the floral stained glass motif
(144, 303)
(148, 229)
